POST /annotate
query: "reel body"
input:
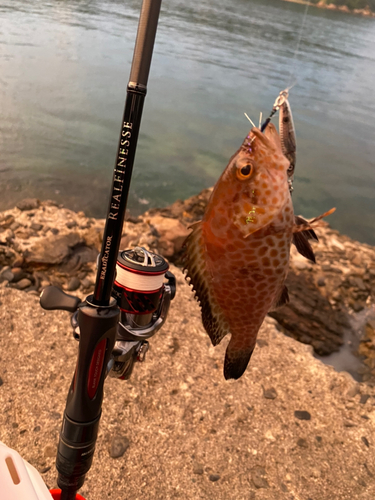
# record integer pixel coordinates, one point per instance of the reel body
(143, 297)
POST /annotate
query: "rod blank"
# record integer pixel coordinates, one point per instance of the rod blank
(144, 43)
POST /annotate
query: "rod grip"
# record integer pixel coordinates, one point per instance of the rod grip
(144, 44)
(98, 327)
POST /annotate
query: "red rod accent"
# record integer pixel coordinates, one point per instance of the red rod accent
(96, 367)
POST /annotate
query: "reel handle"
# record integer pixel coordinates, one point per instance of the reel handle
(53, 298)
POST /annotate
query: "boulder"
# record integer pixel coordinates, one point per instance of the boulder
(172, 234)
(28, 204)
(51, 251)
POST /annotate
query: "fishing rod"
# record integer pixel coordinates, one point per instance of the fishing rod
(130, 300)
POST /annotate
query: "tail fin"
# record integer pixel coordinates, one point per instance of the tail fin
(236, 361)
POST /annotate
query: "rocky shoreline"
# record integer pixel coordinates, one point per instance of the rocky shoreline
(331, 302)
(291, 427)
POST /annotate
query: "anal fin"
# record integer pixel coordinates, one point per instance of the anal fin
(282, 299)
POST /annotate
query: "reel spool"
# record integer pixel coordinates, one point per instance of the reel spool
(139, 285)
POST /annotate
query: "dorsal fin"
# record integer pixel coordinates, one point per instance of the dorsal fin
(198, 274)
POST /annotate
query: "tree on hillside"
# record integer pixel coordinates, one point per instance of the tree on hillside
(351, 4)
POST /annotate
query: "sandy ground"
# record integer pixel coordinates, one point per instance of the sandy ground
(192, 434)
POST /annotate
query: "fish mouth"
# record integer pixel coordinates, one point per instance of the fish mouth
(262, 137)
(259, 135)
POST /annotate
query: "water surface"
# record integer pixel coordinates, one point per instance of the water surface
(64, 66)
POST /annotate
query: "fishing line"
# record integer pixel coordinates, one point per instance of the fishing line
(294, 60)
(285, 93)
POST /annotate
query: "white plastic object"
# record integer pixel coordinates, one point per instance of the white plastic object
(18, 479)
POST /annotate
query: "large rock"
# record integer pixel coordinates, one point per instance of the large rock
(52, 250)
(309, 316)
(187, 211)
(28, 204)
(172, 234)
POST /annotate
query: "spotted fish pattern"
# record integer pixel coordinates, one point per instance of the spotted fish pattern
(237, 257)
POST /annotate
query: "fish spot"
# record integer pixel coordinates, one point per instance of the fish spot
(256, 243)
(274, 200)
(264, 186)
(272, 278)
(276, 262)
(274, 253)
(270, 242)
(281, 244)
(240, 244)
(236, 198)
(266, 261)
(268, 192)
(215, 224)
(262, 251)
(243, 271)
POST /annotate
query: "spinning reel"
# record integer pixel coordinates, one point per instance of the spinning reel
(143, 296)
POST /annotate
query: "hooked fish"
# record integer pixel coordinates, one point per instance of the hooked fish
(237, 257)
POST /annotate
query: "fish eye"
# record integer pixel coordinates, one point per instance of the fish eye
(245, 171)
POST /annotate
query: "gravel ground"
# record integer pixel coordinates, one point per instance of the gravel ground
(290, 428)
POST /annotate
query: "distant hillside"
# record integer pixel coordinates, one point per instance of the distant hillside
(364, 7)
